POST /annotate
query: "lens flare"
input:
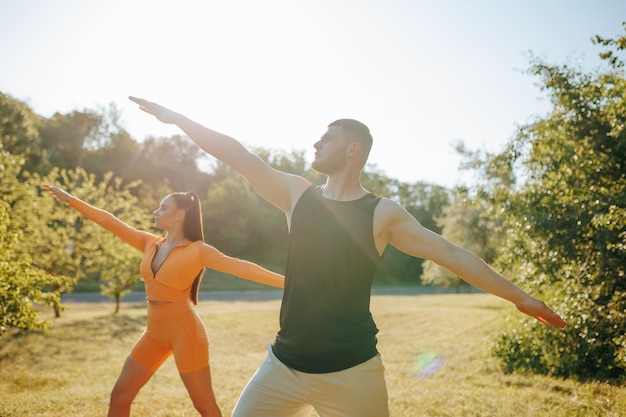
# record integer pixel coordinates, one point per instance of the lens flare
(427, 364)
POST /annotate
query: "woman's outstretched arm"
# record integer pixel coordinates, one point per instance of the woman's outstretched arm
(136, 238)
(213, 258)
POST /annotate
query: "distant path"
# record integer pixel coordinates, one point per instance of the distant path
(248, 295)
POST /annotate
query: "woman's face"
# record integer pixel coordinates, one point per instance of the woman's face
(168, 215)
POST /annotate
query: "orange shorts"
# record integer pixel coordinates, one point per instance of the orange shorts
(173, 328)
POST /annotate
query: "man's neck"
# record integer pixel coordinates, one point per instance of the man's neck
(343, 189)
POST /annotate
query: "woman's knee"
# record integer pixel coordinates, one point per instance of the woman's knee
(207, 408)
(123, 394)
(200, 389)
(132, 378)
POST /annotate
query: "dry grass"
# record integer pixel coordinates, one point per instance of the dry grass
(69, 369)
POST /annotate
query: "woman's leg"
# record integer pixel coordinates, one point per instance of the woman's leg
(133, 377)
(142, 362)
(190, 344)
(200, 388)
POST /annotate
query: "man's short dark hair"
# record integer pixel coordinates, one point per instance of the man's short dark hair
(359, 131)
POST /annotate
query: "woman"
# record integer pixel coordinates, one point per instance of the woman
(171, 269)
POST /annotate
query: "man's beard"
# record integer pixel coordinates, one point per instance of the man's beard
(328, 166)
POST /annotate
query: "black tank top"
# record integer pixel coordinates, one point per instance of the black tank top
(325, 319)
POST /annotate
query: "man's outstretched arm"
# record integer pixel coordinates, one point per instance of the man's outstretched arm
(278, 188)
(397, 227)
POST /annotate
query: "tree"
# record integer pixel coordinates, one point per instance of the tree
(465, 222)
(110, 147)
(116, 265)
(567, 223)
(22, 284)
(51, 236)
(19, 131)
(239, 222)
(67, 136)
(170, 162)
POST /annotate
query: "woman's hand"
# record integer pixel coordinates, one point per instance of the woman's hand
(57, 192)
(164, 114)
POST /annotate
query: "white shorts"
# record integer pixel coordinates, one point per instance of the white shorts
(276, 390)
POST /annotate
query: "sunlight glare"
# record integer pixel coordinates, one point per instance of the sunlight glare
(427, 364)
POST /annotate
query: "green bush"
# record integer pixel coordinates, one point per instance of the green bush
(567, 226)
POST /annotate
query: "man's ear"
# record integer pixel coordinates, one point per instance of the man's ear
(354, 148)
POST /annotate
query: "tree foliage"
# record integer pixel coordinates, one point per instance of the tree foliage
(465, 222)
(238, 221)
(567, 223)
(66, 137)
(19, 132)
(115, 264)
(50, 238)
(22, 284)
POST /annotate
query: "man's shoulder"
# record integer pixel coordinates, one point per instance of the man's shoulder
(387, 209)
(387, 204)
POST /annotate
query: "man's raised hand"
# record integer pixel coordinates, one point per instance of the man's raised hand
(540, 311)
(164, 114)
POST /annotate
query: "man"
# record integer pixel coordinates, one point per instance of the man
(324, 355)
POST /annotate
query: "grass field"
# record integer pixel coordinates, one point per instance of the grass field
(69, 369)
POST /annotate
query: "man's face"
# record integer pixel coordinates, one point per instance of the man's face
(330, 151)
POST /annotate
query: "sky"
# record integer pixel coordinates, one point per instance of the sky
(274, 73)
